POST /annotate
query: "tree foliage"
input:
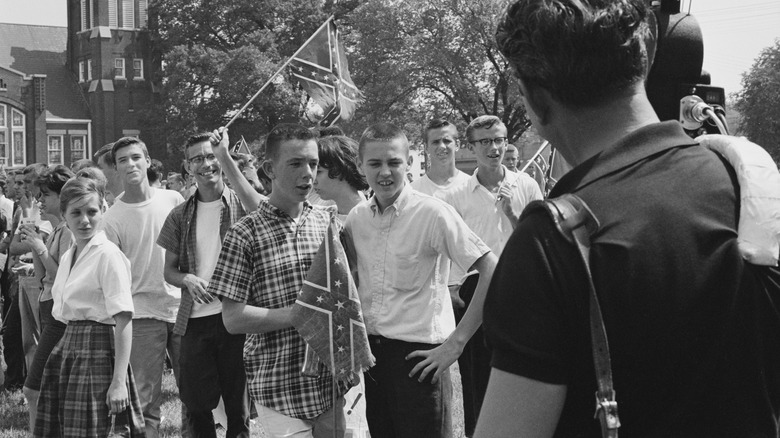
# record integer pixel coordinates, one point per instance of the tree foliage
(418, 59)
(413, 59)
(759, 101)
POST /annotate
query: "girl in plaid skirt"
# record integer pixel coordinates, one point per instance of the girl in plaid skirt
(87, 379)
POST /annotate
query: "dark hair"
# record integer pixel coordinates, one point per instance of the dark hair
(155, 171)
(381, 132)
(126, 142)
(176, 178)
(483, 122)
(82, 163)
(330, 131)
(338, 154)
(581, 51)
(53, 178)
(435, 124)
(107, 153)
(36, 168)
(195, 139)
(284, 132)
(78, 188)
(93, 173)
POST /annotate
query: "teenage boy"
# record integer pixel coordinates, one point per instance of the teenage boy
(490, 203)
(264, 260)
(441, 143)
(399, 236)
(211, 363)
(105, 161)
(133, 224)
(511, 157)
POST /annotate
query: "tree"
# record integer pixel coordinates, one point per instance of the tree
(217, 53)
(426, 58)
(759, 101)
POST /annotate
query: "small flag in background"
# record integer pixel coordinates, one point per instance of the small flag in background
(241, 147)
(321, 69)
(327, 313)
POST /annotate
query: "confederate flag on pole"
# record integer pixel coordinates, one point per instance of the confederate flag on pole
(321, 69)
(327, 313)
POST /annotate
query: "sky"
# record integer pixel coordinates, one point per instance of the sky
(734, 31)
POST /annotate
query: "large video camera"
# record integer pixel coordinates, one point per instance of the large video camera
(677, 86)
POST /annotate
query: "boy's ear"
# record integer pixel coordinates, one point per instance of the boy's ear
(268, 167)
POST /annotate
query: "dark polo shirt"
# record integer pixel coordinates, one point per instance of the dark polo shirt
(687, 359)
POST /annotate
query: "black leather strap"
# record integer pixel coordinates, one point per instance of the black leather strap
(577, 224)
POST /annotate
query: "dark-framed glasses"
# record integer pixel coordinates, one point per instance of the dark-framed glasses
(200, 159)
(498, 141)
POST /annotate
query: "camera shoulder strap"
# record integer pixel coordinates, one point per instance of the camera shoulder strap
(576, 222)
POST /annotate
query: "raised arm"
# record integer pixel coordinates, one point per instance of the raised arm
(246, 193)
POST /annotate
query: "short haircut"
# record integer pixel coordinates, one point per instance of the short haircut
(436, 124)
(176, 178)
(82, 163)
(93, 173)
(126, 142)
(338, 154)
(78, 188)
(512, 146)
(284, 132)
(195, 139)
(53, 178)
(329, 131)
(36, 168)
(483, 122)
(3, 182)
(155, 171)
(107, 153)
(582, 52)
(382, 131)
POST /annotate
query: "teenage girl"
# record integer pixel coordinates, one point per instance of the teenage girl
(87, 378)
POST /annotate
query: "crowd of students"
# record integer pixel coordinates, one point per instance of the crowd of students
(126, 274)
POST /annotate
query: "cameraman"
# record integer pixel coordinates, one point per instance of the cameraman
(691, 355)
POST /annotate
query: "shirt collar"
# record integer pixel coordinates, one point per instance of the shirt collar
(98, 239)
(398, 205)
(510, 179)
(634, 147)
(269, 210)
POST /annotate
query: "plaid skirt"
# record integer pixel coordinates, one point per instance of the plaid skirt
(72, 401)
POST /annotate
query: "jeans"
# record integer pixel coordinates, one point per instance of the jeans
(151, 339)
(400, 406)
(212, 365)
(278, 425)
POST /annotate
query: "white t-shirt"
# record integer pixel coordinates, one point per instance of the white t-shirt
(134, 229)
(427, 186)
(208, 245)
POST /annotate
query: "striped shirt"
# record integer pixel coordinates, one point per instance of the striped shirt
(178, 235)
(264, 260)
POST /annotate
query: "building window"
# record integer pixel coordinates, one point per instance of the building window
(77, 147)
(119, 68)
(20, 154)
(128, 14)
(17, 120)
(86, 14)
(82, 71)
(138, 69)
(143, 6)
(3, 148)
(12, 137)
(55, 149)
(3, 86)
(89, 69)
(112, 11)
(3, 124)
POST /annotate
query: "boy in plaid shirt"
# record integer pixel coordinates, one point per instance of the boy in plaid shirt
(264, 260)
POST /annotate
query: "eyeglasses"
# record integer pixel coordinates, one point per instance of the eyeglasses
(498, 141)
(200, 159)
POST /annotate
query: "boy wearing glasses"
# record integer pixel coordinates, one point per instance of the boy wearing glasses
(399, 236)
(211, 358)
(133, 224)
(490, 203)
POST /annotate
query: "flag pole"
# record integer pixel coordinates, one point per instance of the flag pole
(289, 60)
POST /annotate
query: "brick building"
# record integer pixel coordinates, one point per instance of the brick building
(66, 91)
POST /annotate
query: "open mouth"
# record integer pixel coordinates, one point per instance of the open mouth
(494, 155)
(384, 183)
(207, 173)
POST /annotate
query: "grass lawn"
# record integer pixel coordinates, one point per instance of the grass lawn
(13, 412)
